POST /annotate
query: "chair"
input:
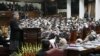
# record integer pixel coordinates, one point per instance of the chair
(55, 52)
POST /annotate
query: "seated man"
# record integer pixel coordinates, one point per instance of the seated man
(98, 37)
(79, 38)
(45, 47)
(52, 40)
(62, 43)
(91, 37)
(79, 41)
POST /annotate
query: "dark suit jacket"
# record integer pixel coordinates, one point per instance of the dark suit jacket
(15, 30)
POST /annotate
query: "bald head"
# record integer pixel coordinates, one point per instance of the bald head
(16, 15)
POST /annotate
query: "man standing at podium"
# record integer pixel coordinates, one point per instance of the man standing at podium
(15, 33)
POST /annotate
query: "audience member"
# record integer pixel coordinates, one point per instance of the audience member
(62, 43)
(45, 47)
(91, 36)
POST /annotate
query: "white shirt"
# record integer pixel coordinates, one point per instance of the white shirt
(52, 43)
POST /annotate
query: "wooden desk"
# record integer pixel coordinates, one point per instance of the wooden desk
(31, 35)
(73, 52)
(97, 50)
(78, 53)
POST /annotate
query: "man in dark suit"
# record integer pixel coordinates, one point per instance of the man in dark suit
(14, 25)
(15, 32)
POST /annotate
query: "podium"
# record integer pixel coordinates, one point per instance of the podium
(31, 35)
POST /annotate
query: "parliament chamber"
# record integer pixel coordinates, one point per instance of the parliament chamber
(49, 28)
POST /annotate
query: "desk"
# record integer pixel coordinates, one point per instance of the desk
(32, 35)
(78, 53)
(74, 51)
(97, 50)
